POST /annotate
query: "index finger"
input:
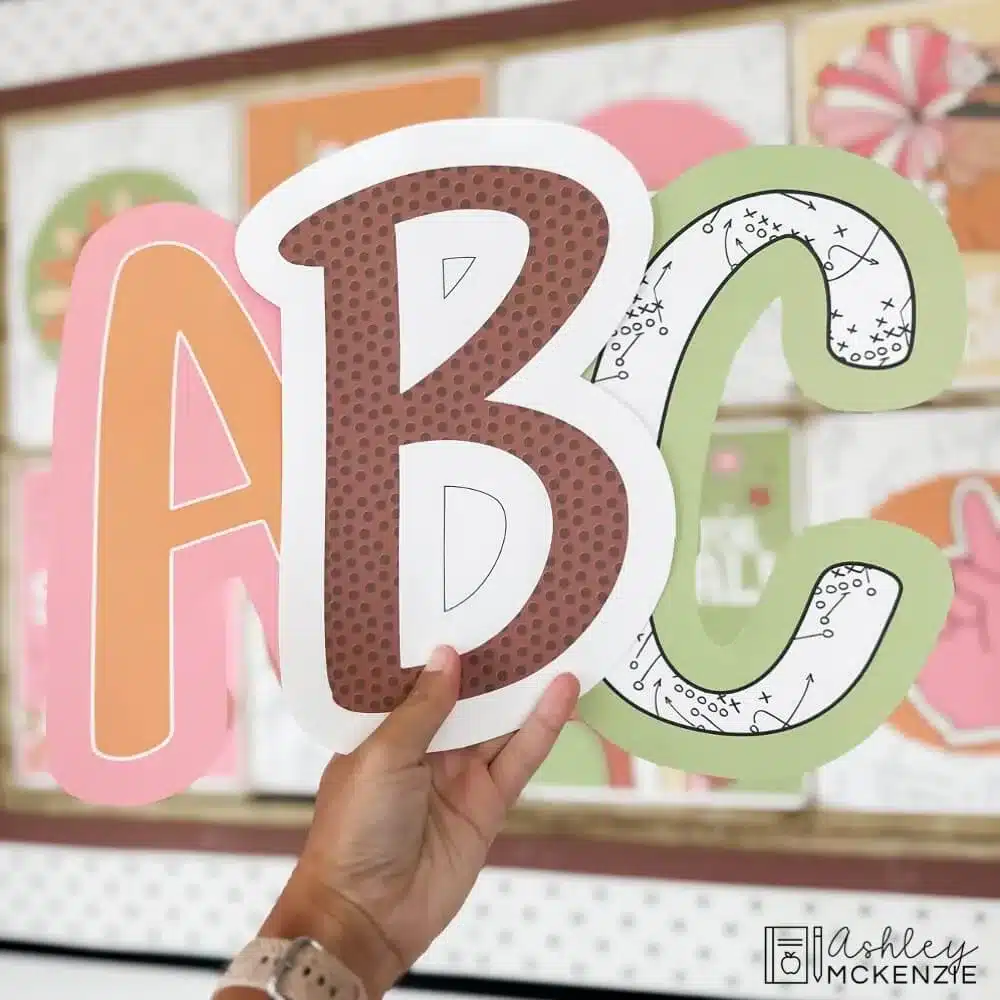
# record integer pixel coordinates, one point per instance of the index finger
(404, 735)
(524, 753)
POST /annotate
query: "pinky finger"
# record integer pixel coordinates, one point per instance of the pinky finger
(524, 753)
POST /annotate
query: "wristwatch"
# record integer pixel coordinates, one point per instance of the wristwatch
(291, 970)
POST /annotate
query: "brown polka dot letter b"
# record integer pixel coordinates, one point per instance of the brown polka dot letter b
(448, 475)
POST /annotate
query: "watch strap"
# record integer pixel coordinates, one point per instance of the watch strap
(291, 970)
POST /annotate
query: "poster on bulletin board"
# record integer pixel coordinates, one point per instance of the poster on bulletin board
(651, 98)
(916, 87)
(64, 179)
(284, 133)
(938, 473)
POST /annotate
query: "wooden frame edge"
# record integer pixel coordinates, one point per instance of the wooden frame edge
(969, 878)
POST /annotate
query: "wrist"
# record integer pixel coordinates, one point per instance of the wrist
(340, 927)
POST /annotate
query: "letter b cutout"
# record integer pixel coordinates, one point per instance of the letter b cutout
(446, 475)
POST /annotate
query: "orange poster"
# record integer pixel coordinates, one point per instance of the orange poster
(285, 135)
(957, 692)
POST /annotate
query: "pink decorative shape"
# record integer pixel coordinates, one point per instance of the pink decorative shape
(204, 572)
(663, 138)
(958, 691)
(889, 101)
(33, 529)
(726, 462)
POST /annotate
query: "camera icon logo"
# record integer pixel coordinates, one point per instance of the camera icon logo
(793, 955)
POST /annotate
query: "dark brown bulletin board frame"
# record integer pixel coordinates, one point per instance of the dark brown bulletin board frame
(807, 848)
(426, 38)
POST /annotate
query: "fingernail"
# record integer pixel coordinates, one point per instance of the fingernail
(439, 659)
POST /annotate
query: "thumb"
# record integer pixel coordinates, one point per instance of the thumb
(404, 736)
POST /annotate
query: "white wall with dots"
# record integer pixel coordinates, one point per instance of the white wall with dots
(46, 40)
(532, 926)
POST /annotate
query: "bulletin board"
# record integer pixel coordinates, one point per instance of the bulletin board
(220, 131)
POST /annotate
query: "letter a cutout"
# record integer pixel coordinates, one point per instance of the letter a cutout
(141, 576)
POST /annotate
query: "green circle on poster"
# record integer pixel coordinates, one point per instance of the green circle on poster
(73, 220)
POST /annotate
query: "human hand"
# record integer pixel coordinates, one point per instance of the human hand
(399, 835)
